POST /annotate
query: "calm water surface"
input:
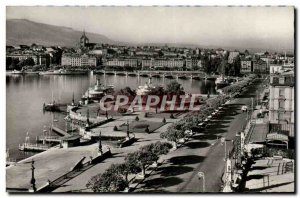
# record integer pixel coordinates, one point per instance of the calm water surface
(25, 95)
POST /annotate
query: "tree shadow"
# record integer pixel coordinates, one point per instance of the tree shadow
(254, 177)
(205, 137)
(215, 131)
(161, 182)
(268, 187)
(257, 168)
(196, 145)
(187, 159)
(174, 170)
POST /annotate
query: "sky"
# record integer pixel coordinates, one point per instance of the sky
(245, 27)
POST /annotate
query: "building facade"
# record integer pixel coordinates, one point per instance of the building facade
(246, 66)
(39, 59)
(77, 60)
(120, 62)
(260, 67)
(281, 99)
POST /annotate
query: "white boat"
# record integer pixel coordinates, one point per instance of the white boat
(145, 89)
(221, 82)
(98, 91)
(17, 72)
(63, 72)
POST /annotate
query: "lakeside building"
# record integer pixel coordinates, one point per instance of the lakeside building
(281, 101)
(39, 59)
(171, 63)
(78, 60)
(121, 62)
(192, 63)
(147, 63)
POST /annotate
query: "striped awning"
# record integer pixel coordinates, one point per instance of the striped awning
(277, 136)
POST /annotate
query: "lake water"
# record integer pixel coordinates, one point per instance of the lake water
(25, 95)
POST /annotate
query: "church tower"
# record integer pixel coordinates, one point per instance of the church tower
(84, 40)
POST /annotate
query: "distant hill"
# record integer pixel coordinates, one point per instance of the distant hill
(22, 31)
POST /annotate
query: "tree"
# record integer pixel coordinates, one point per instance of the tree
(206, 63)
(160, 148)
(164, 120)
(125, 169)
(174, 88)
(237, 65)
(142, 157)
(173, 135)
(9, 61)
(116, 128)
(109, 181)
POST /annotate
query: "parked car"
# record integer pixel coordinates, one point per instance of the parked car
(244, 108)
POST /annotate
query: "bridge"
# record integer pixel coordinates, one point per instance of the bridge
(195, 75)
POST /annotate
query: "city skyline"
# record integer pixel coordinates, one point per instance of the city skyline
(240, 27)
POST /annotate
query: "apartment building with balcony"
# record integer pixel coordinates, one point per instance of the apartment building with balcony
(282, 100)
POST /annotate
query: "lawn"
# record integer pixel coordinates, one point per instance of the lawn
(140, 126)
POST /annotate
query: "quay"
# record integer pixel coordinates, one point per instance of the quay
(33, 147)
(59, 131)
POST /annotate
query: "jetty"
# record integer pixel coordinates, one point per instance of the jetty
(59, 131)
(33, 147)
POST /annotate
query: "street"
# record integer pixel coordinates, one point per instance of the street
(203, 153)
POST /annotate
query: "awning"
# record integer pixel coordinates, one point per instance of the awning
(277, 136)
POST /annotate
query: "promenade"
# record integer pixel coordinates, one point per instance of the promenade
(180, 167)
(204, 152)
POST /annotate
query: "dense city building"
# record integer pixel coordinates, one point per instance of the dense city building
(246, 66)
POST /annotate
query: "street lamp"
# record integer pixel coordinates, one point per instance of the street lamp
(100, 144)
(201, 175)
(32, 181)
(127, 131)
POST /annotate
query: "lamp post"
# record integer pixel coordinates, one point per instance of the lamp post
(201, 175)
(32, 181)
(127, 131)
(223, 140)
(100, 144)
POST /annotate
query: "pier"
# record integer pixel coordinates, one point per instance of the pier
(33, 147)
(59, 131)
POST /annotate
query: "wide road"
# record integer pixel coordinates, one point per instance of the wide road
(204, 152)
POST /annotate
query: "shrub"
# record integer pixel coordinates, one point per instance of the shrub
(164, 120)
(172, 116)
(147, 130)
(137, 118)
(116, 128)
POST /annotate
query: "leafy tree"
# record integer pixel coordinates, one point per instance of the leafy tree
(125, 169)
(174, 88)
(173, 135)
(9, 61)
(161, 148)
(142, 158)
(14, 64)
(237, 65)
(109, 181)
